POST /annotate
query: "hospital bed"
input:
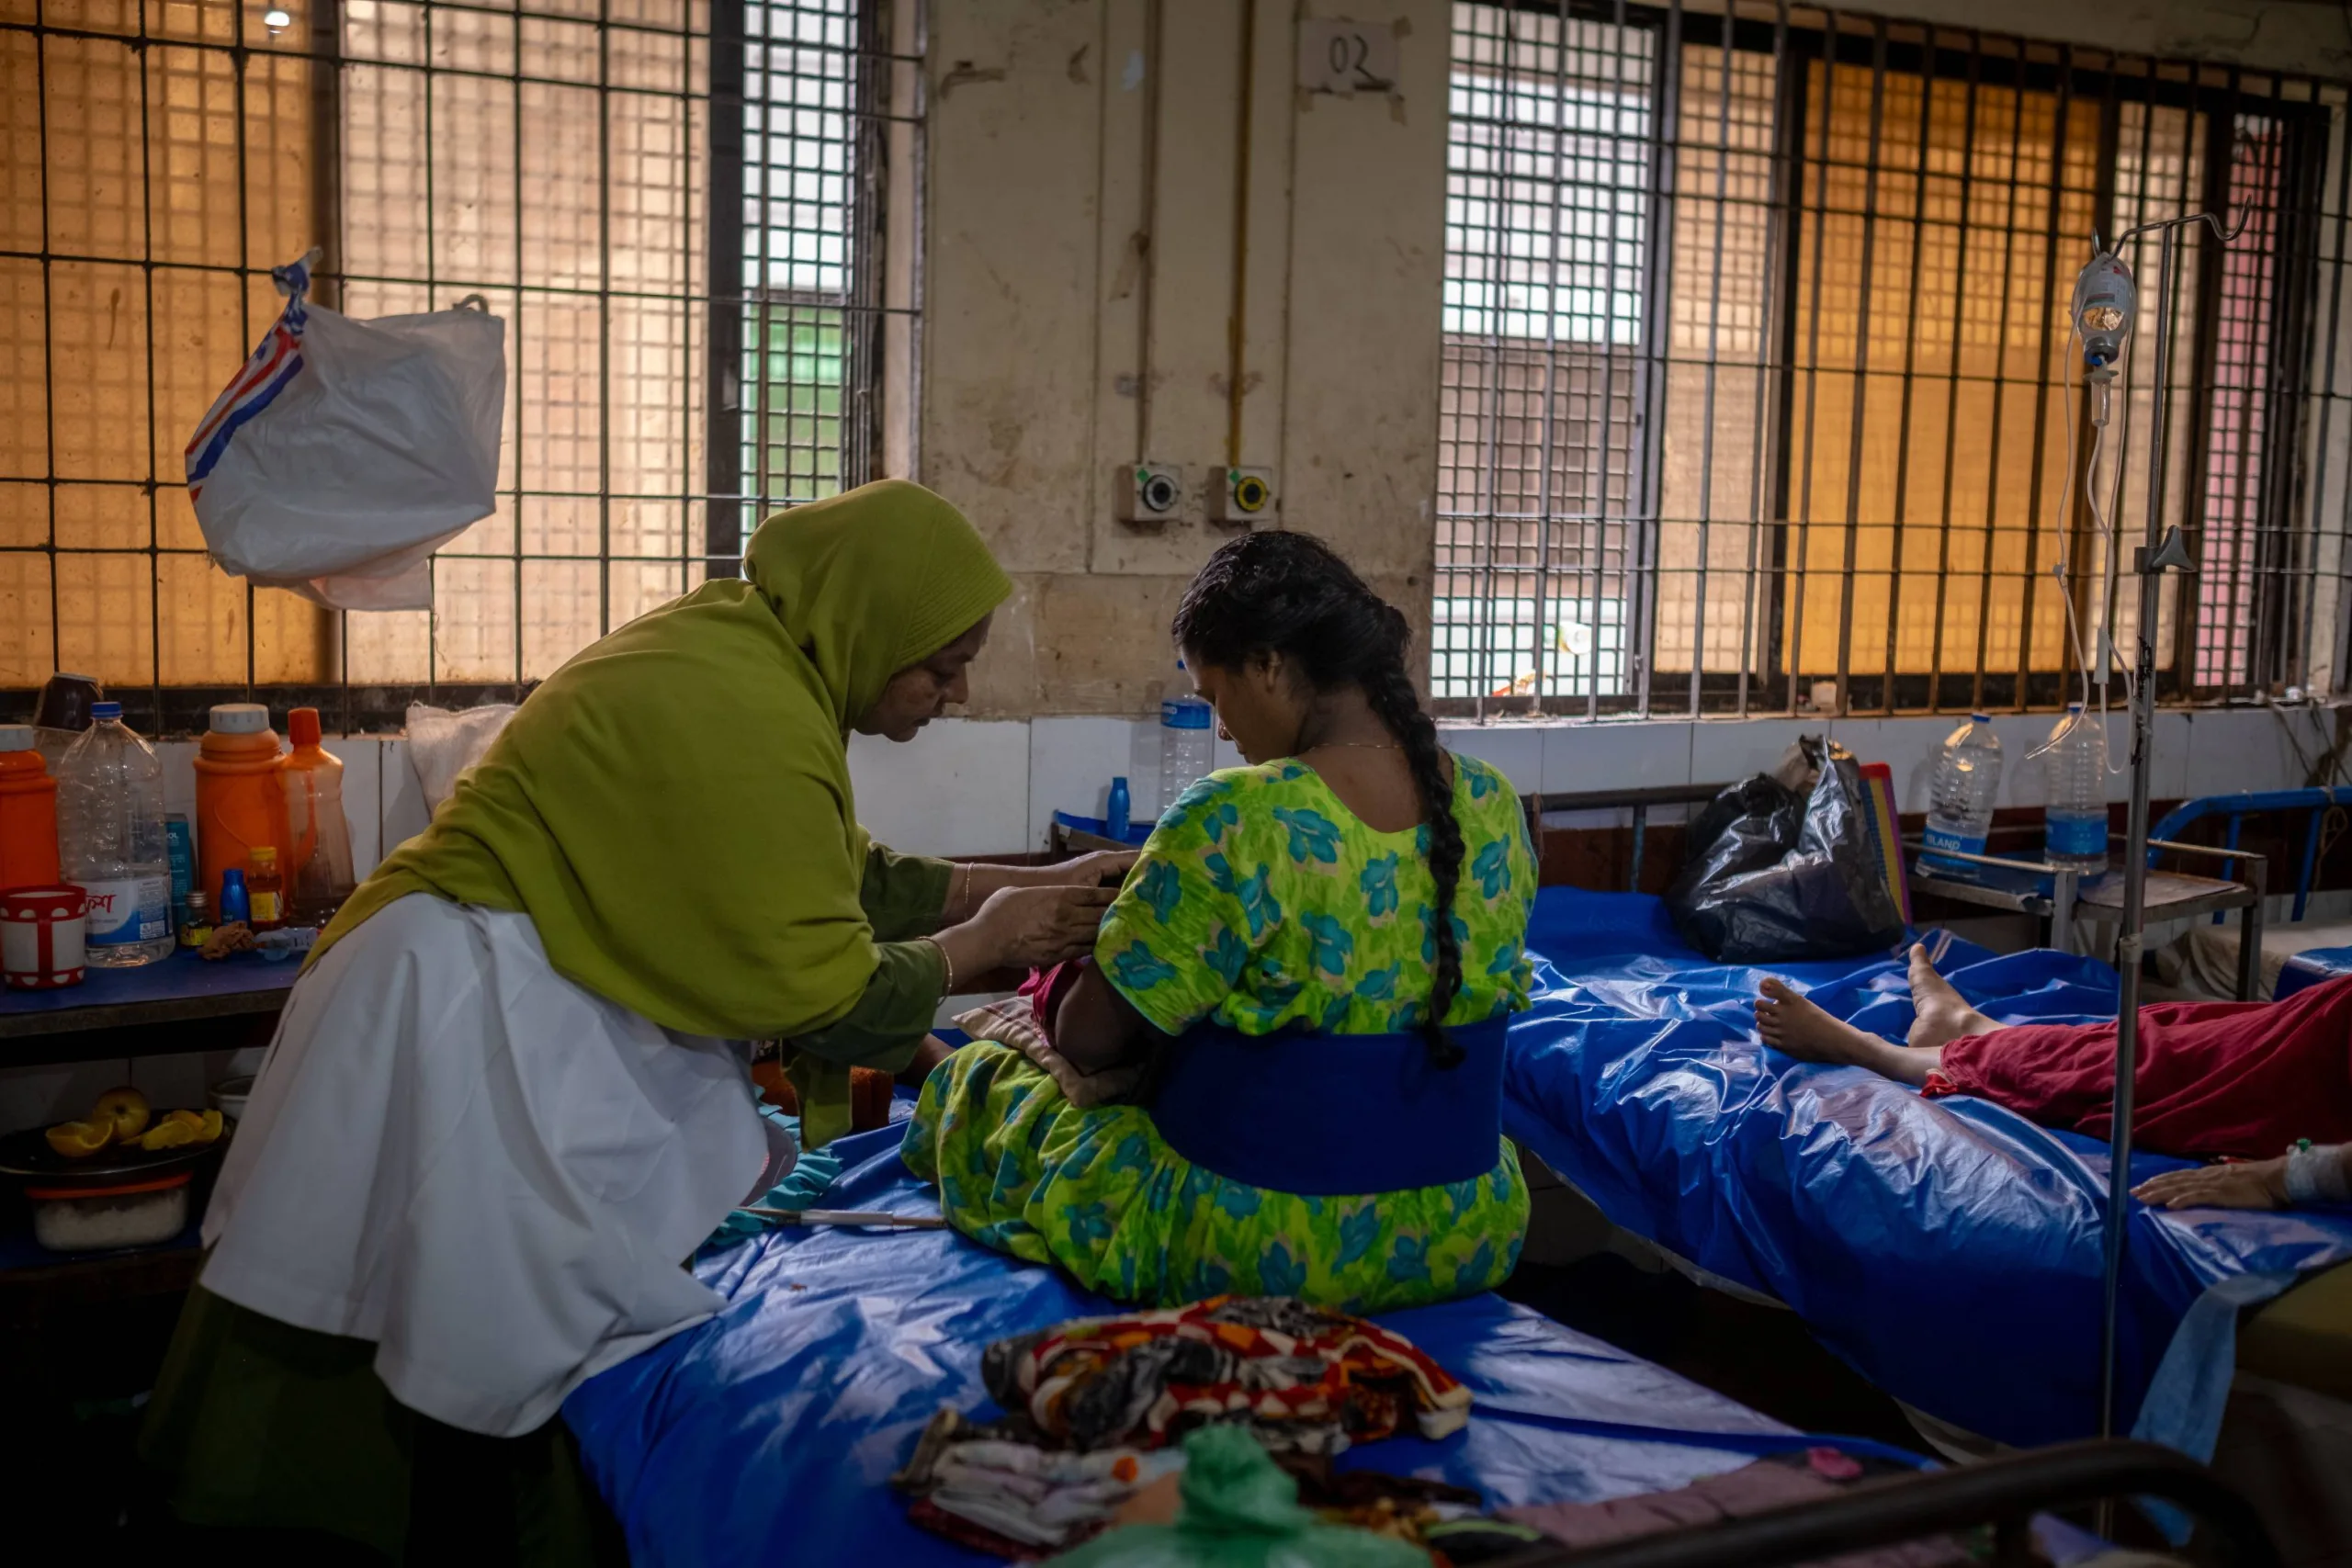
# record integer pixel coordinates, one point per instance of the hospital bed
(769, 1433)
(1949, 1251)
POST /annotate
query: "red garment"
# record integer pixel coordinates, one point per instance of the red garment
(1046, 988)
(2245, 1079)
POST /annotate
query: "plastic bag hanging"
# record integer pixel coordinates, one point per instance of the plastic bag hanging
(344, 452)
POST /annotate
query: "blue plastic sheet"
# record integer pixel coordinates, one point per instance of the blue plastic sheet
(1949, 1249)
(769, 1433)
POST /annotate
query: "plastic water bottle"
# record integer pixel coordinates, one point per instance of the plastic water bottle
(110, 822)
(1116, 813)
(1968, 784)
(2074, 761)
(1187, 746)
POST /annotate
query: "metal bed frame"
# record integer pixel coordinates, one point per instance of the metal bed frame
(2003, 1492)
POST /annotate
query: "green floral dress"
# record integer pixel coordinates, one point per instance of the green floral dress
(1260, 902)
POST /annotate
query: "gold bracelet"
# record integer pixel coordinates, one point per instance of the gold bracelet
(967, 905)
(948, 960)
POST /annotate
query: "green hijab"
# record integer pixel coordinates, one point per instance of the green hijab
(672, 808)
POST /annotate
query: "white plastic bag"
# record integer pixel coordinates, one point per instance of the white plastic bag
(345, 452)
(442, 744)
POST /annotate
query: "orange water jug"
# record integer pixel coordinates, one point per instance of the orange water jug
(240, 795)
(27, 811)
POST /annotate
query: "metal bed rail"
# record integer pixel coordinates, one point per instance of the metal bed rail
(2003, 1492)
(1639, 801)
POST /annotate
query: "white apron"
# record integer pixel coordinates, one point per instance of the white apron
(489, 1171)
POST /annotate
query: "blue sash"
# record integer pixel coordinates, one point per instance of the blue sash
(1330, 1115)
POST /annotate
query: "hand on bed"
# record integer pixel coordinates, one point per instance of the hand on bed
(2254, 1184)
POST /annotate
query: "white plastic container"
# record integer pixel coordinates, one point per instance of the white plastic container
(102, 1219)
(1187, 745)
(2074, 761)
(1967, 787)
(110, 830)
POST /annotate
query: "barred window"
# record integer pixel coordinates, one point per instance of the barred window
(1758, 370)
(676, 206)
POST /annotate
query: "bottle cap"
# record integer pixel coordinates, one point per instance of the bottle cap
(240, 719)
(1973, 719)
(199, 903)
(302, 726)
(15, 737)
(232, 877)
(265, 858)
(101, 712)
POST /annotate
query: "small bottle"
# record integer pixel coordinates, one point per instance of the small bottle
(236, 909)
(1114, 820)
(196, 922)
(266, 890)
(180, 839)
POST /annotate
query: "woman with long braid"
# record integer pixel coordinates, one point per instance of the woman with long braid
(1319, 951)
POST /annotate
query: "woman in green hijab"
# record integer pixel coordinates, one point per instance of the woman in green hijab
(510, 1095)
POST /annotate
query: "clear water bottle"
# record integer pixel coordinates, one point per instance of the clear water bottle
(2074, 761)
(1967, 787)
(1187, 745)
(110, 827)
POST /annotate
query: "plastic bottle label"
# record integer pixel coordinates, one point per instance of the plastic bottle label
(133, 908)
(2077, 838)
(1176, 713)
(1954, 843)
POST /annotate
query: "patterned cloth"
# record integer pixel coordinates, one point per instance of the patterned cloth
(1300, 1377)
(1263, 902)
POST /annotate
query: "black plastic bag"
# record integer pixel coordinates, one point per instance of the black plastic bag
(1776, 876)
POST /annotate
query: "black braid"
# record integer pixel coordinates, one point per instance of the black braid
(1289, 593)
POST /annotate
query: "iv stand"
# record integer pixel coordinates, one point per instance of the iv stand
(2165, 548)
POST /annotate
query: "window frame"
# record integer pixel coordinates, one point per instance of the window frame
(2284, 532)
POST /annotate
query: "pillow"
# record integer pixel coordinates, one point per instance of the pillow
(1013, 1022)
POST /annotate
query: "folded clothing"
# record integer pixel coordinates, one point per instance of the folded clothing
(989, 1488)
(1025, 1023)
(1301, 1377)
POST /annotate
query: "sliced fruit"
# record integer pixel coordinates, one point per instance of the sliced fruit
(167, 1134)
(80, 1140)
(187, 1119)
(125, 1110)
(209, 1130)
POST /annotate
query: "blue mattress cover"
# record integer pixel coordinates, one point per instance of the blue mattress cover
(1949, 1249)
(769, 1433)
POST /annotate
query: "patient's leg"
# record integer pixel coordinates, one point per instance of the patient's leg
(1790, 1023)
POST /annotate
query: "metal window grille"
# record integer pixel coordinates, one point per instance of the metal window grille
(1758, 374)
(676, 206)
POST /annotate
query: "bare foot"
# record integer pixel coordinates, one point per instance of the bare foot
(1793, 1023)
(1943, 1015)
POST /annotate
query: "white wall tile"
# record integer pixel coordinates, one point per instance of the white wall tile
(172, 1083)
(1071, 764)
(1627, 755)
(960, 787)
(363, 799)
(1517, 749)
(406, 814)
(2025, 779)
(2167, 761)
(1908, 747)
(41, 1096)
(178, 758)
(1724, 752)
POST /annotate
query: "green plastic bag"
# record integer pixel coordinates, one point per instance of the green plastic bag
(1240, 1511)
